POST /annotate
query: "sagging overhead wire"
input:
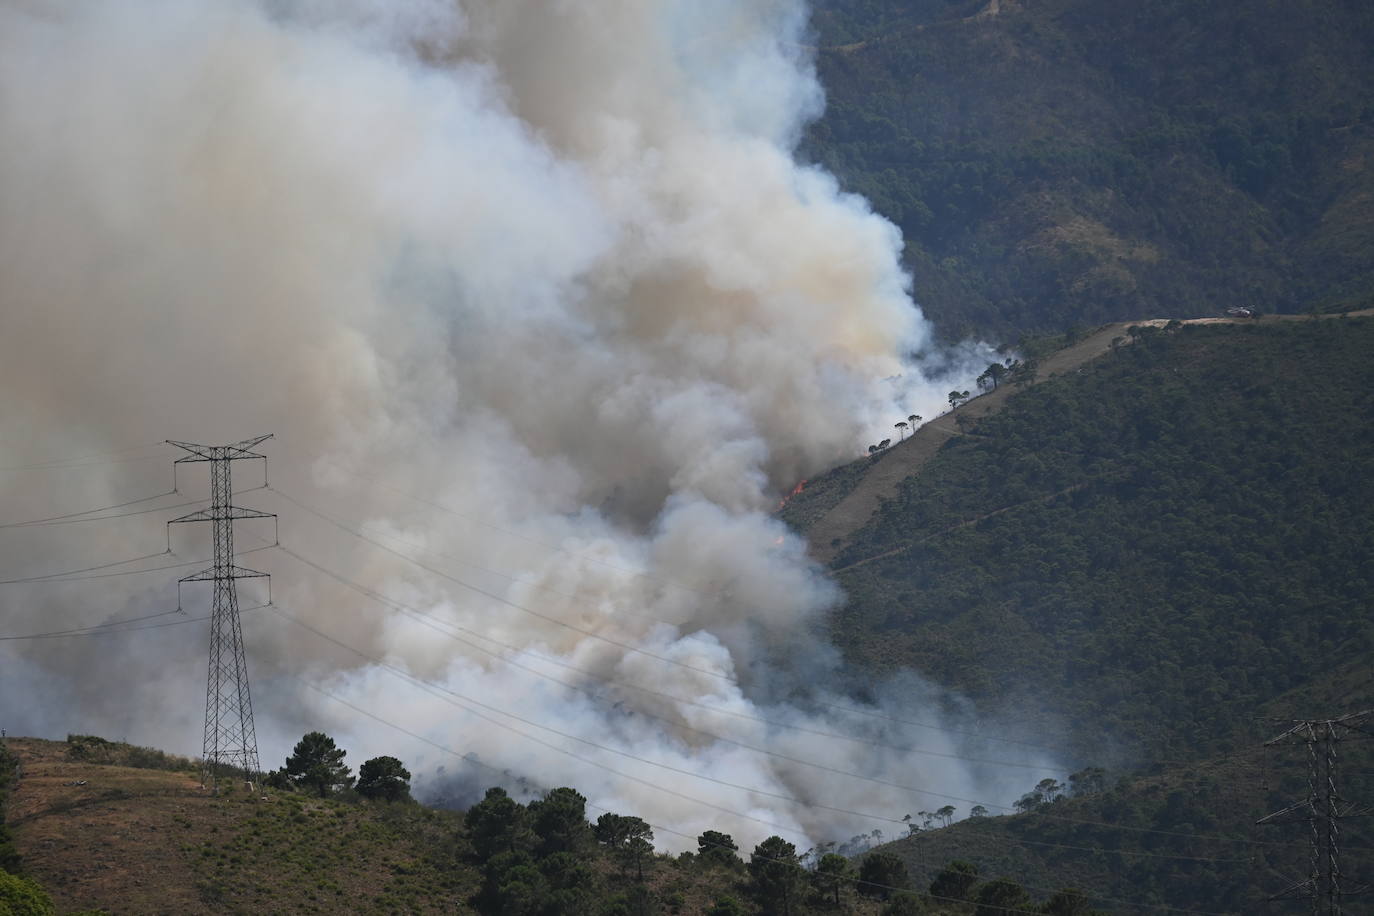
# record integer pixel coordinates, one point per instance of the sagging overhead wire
(97, 628)
(117, 626)
(492, 595)
(1232, 759)
(492, 526)
(71, 575)
(466, 703)
(1047, 815)
(839, 707)
(460, 701)
(447, 628)
(58, 576)
(76, 515)
(83, 461)
(675, 832)
(103, 518)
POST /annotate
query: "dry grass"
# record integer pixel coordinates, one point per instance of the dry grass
(151, 841)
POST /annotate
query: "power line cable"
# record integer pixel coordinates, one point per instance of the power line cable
(89, 630)
(135, 572)
(1231, 759)
(515, 534)
(80, 460)
(554, 620)
(713, 674)
(635, 649)
(446, 628)
(72, 515)
(441, 627)
(492, 595)
(102, 518)
(57, 576)
(445, 693)
(116, 626)
(469, 760)
(461, 701)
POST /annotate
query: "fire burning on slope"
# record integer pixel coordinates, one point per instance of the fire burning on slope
(795, 491)
(559, 274)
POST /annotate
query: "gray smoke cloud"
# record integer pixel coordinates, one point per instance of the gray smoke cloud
(550, 267)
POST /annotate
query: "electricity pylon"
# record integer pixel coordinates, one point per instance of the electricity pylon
(1323, 810)
(230, 739)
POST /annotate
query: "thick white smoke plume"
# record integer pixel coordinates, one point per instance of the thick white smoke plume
(550, 267)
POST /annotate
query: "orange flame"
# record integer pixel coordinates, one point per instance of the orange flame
(795, 490)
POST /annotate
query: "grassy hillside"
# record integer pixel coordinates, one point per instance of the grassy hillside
(133, 839)
(1065, 162)
(106, 828)
(1151, 548)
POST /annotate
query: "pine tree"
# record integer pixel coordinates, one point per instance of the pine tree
(316, 762)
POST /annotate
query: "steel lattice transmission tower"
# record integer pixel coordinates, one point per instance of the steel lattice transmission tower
(230, 740)
(1323, 809)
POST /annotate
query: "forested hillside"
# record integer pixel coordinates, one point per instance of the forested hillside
(1184, 840)
(1146, 551)
(1061, 162)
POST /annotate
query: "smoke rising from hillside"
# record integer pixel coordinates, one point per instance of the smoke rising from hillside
(550, 267)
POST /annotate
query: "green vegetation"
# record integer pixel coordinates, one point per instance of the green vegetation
(823, 493)
(292, 853)
(384, 779)
(778, 880)
(19, 896)
(1153, 547)
(539, 859)
(316, 763)
(1185, 838)
(288, 850)
(881, 874)
(1072, 162)
(94, 749)
(22, 897)
(9, 856)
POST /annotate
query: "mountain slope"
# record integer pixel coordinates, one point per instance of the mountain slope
(1053, 162)
(1142, 553)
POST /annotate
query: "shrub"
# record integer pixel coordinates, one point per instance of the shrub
(22, 897)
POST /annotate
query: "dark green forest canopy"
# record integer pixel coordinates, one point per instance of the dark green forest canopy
(1070, 161)
(1161, 544)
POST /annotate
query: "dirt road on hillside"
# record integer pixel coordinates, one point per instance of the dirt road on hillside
(904, 459)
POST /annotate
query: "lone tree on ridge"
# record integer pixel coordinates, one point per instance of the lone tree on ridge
(318, 764)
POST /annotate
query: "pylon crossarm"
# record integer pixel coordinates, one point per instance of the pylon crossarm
(1354, 724)
(207, 452)
(1297, 812)
(216, 513)
(1358, 890)
(1298, 890)
(211, 573)
(198, 452)
(247, 444)
(1300, 731)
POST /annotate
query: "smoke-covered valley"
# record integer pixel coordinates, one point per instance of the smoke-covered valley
(545, 316)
